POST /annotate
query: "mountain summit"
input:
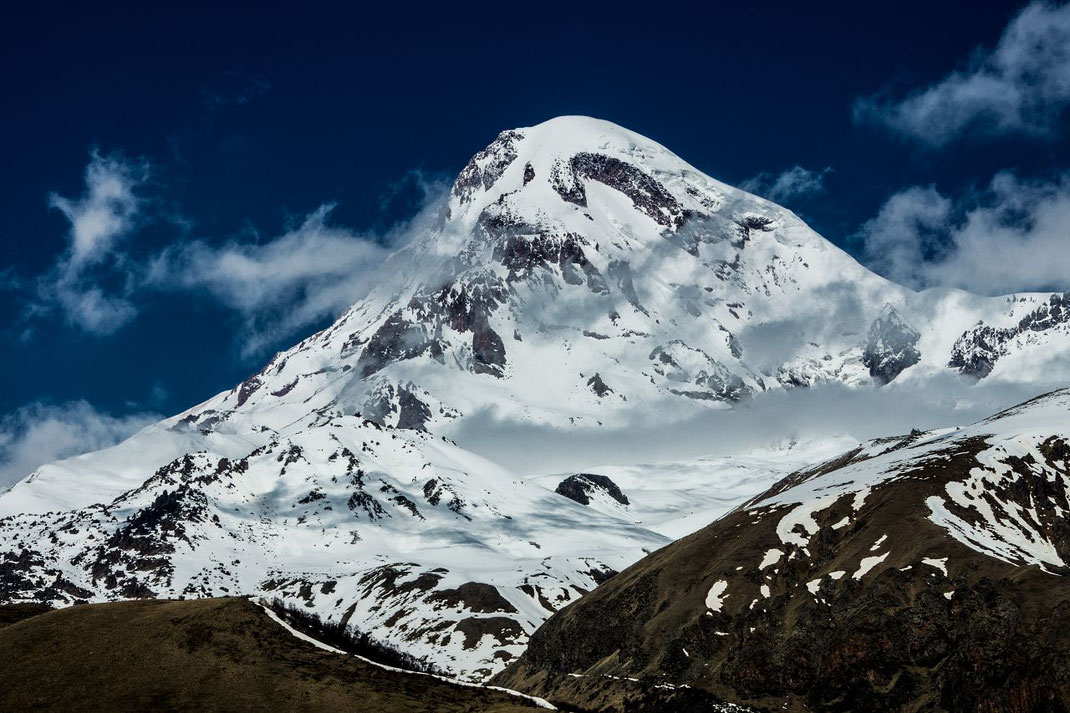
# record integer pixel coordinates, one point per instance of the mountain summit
(580, 271)
(578, 275)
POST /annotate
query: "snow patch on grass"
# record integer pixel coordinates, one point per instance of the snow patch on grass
(716, 596)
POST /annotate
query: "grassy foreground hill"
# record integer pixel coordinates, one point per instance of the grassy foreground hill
(201, 655)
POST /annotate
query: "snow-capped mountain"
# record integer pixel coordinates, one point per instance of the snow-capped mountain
(578, 276)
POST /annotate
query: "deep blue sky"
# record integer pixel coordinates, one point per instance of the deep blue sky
(252, 116)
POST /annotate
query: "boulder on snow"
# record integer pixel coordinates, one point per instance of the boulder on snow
(581, 486)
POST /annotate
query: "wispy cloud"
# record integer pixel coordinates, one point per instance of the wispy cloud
(278, 285)
(1014, 235)
(282, 284)
(105, 212)
(41, 433)
(1020, 87)
(100, 220)
(795, 182)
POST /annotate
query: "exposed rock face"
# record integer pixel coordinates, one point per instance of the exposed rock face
(922, 572)
(462, 306)
(523, 255)
(582, 486)
(979, 348)
(489, 351)
(248, 387)
(412, 412)
(487, 166)
(693, 373)
(975, 353)
(598, 386)
(398, 339)
(476, 597)
(891, 347)
(647, 194)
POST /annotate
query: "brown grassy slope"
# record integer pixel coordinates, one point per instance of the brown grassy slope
(14, 613)
(202, 655)
(984, 636)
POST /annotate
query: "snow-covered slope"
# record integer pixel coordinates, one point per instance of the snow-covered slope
(579, 275)
(397, 532)
(675, 498)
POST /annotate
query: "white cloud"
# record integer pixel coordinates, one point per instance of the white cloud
(278, 286)
(910, 224)
(89, 307)
(1012, 236)
(765, 421)
(1022, 86)
(305, 275)
(795, 182)
(41, 433)
(105, 214)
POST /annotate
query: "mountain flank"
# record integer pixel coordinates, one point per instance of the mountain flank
(926, 572)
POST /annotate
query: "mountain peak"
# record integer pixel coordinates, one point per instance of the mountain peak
(560, 154)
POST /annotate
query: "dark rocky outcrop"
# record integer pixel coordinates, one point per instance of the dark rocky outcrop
(475, 597)
(463, 306)
(598, 386)
(397, 339)
(715, 382)
(488, 349)
(248, 387)
(621, 273)
(647, 194)
(747, 224)
(580, 486)
(976, 352)
(435, 491)
(487, 166)
(413, 413)
(524, 254)
(891, 347)
(503, 629)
